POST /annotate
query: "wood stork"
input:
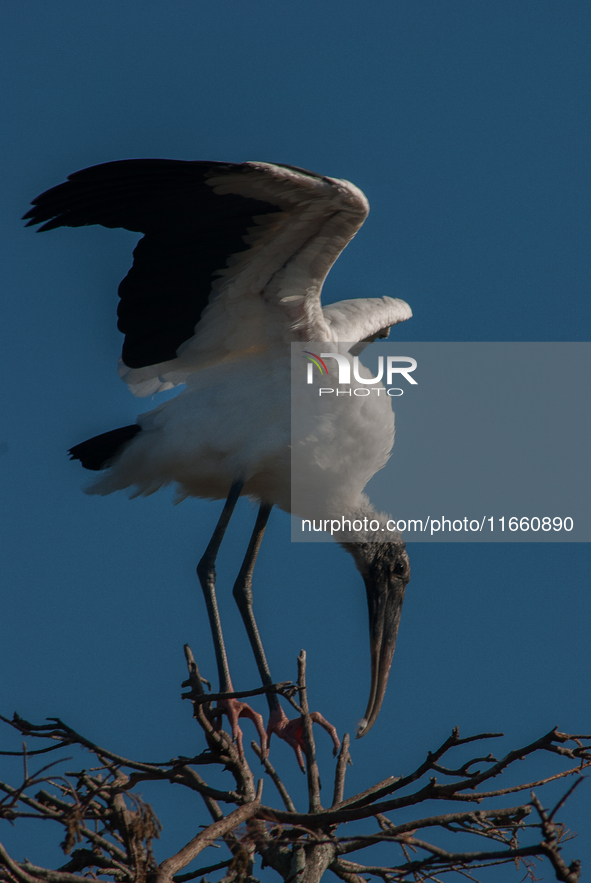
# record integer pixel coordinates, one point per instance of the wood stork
(228, 273)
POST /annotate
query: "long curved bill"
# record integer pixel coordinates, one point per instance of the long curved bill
(385, 595)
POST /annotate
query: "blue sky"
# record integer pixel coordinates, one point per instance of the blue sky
(466, 124)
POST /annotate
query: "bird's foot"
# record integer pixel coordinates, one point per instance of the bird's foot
(292, 732)
(235, 709)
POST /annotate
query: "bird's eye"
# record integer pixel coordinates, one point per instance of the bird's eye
(399, 568)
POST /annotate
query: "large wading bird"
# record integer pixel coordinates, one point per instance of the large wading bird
(227, 275)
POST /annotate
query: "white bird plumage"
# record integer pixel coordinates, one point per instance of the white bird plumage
(228, 274)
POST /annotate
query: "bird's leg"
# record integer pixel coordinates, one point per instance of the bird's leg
(233, 708)
(244, 599)
(206, 573)
(289, 730)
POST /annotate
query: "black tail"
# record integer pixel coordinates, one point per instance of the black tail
(97, 452)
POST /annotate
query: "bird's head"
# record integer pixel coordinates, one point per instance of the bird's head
(385, 569)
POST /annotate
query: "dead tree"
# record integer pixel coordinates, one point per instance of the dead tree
(109, 830)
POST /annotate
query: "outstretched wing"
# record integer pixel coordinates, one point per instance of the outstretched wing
(232, 255)
(363, 320)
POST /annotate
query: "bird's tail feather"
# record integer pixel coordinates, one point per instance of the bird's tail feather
(98, 452)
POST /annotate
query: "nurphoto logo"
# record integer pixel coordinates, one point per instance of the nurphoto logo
(393, 367)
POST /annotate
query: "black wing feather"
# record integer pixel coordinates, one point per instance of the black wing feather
(190, 232)
(96, 453)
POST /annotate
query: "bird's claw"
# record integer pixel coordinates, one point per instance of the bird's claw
(292, 732)
(235, 709)
(319, 719)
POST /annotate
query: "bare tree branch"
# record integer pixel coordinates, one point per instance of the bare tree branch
(206, 838)
(270, 769)
(309, 745)
(339, 779)
(109, 829)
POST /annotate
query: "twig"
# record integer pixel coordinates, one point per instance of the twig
(206, 838)
(368, 796)
(510, 817)
(183, 878)
(236, 694)
(65, 735)
(563, 799)
(550, 848)
(16, 868)
(339, 779)
(270, 769)
(309, 746)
